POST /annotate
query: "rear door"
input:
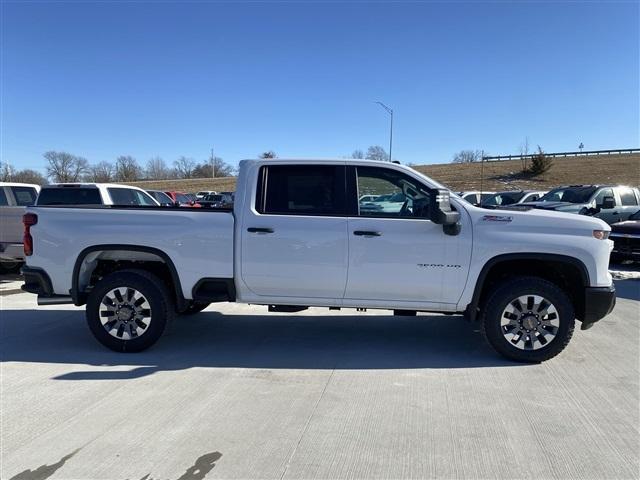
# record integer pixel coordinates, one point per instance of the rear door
(294, 238)
(628, 203)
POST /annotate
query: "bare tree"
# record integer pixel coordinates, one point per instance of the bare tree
(102, 172)
(268, 154)
(468, 156)
(63, 167)
(357, 154)
(221, 169)
(157, 169)
(184, 167)
(6, 172)
(29, 176)
(127, 169)
(376, 152)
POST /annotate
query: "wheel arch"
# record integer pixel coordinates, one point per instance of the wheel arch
(567, 272)
(143, 257)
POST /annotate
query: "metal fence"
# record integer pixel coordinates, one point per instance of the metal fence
(563, 154)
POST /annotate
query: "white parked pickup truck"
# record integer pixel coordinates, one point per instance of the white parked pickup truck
(297, 237)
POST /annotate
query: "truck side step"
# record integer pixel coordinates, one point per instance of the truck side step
(286, 308)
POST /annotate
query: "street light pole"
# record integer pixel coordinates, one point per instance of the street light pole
(213, 165)
(390, 112)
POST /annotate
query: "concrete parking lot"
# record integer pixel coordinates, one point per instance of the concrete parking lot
(236, 392)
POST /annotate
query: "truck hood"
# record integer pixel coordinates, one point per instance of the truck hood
(630, 226)
(558, 206)
(539, 220)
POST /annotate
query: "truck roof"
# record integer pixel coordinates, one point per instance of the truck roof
(18, 184)
(89, 185)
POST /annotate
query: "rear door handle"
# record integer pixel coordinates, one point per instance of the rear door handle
(259, 230)
(366, 233)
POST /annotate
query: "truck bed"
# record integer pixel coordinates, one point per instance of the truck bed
(196, 241)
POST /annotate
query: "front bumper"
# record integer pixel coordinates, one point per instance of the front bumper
(598, 303)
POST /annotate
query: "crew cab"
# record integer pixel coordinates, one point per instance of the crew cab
(298, 237)
(14, 197)
(611, 203)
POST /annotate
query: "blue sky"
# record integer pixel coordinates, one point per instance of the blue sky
(102, 79)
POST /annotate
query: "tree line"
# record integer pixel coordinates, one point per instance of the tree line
(64, 167)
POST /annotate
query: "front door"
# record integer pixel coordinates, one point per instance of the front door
(294, 239)
(396, 254)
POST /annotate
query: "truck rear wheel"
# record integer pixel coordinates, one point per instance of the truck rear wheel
(528, 319)
(128, 311)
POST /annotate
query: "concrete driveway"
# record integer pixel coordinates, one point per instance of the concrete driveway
(236, 392)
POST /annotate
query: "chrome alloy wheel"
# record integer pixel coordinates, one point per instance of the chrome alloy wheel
(529, 322)
(125, 313)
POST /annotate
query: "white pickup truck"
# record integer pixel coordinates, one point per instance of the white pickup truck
(297, 237)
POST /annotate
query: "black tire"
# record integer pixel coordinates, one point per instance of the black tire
(499, 300)
(195, 307)
(161, 310)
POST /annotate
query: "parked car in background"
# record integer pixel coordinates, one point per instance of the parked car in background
(181, 199)
(368, 198)
(511, 197)
(626, 239)
(14, 197)
(204, 193)
(94, 194)
(475, 197)
(218, 200)
(161, 197)
(611, 203)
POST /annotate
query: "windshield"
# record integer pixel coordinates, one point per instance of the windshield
(213, 198)
(182, 198)
(503, 198)
(569, 194)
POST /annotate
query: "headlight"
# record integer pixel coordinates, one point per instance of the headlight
(601, 234)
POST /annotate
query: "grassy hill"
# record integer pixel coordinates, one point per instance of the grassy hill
(615, 169)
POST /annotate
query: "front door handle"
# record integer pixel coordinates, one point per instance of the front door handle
(259, 230)
(614, 213)
(366, 233)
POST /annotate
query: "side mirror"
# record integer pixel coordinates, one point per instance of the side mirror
(607, 202)
(440, 212)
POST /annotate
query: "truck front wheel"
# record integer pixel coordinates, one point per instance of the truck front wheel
(128, 311)
(528, 319)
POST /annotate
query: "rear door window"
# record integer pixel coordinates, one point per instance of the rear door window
(69, 196)
(129, 196)
(301, 190)
(3, 198)
(24, 195)
(628, 197)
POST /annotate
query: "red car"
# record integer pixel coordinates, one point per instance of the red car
(182, 200)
